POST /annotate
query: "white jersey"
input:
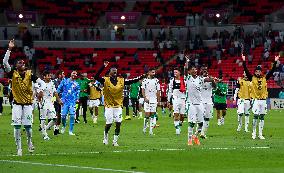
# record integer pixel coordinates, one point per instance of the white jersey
(151, 87)
(193, 89)
(206, 92)
(49, 91)
(174, 90)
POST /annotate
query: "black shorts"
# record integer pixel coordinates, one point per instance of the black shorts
(221, 106)
(164, 99)
(125, 101)
(57, 107)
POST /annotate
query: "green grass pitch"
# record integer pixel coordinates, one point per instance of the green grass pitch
(225, 149)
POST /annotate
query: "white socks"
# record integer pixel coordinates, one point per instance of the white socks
(18, 139)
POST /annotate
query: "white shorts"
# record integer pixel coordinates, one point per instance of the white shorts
(179, 105)
(208, 110)
(22, 115)
(243, 106)
(150, 107)
(94, 103)
(47, 111)
(259, 107)
(113, 115)
(141, 101)
(195, 113)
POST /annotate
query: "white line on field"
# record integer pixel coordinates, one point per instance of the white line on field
(67, 166)
(138, 150)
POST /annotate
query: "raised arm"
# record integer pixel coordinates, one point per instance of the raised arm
(270, 73)
(134, 80)
(237, 91)
(97, 76)
(249, 75)
(7, 55)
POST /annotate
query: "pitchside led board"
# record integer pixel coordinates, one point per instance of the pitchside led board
(277, 103)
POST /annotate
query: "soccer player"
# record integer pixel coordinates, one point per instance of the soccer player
(83, 82)
(242, 92)
(176, 91)
(151, 94)
(259, 95)
(195, 109)
(126, 92)
(113, 99)
(69, 90)
(141, 102)
(206, 94)
(59, 77)
(46, 105)
(163, 95)
(220, 99)
(95, 91)
(134, 95)
(21, 83)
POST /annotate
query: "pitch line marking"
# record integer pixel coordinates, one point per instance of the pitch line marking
(67, 166)
(138, 150)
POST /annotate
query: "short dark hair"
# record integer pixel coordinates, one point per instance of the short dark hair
(59, 72)
(45, 72)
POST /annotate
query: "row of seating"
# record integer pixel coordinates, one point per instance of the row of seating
(75, 13)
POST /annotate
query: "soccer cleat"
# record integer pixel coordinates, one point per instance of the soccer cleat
(115, 144)
(140, 117)
(128, 118)
(144, 131)
(157, 125)
(31, 148)
(177, 131)
(105, 141)
(196, 140)
(19, 152)
(239, 128)
(222, 121)
(253, 136)
(56, 132)
(71, 134)
(95, 120)
(77, 121)
(189, 142)
(46, 138)
(202, 136)
(219, 122)
(261, 137)
(85, 121)
(246, 130)
(151, 134)
(62, 130)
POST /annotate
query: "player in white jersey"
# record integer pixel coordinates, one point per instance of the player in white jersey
(195, 109)
(176, 91)
(151, 92)
(47, 110)
(206, 94)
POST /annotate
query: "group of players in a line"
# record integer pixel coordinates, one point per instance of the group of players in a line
(190, 96)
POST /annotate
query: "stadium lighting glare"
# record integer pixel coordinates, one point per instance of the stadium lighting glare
(115, 27)
(21, 16)
(32, 25)
(122, 17)
(218, 15)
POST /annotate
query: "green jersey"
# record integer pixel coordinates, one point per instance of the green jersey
(134, 90)
(84, 84)
(220, 93)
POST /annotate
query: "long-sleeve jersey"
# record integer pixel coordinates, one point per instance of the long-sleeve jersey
(69, 90)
